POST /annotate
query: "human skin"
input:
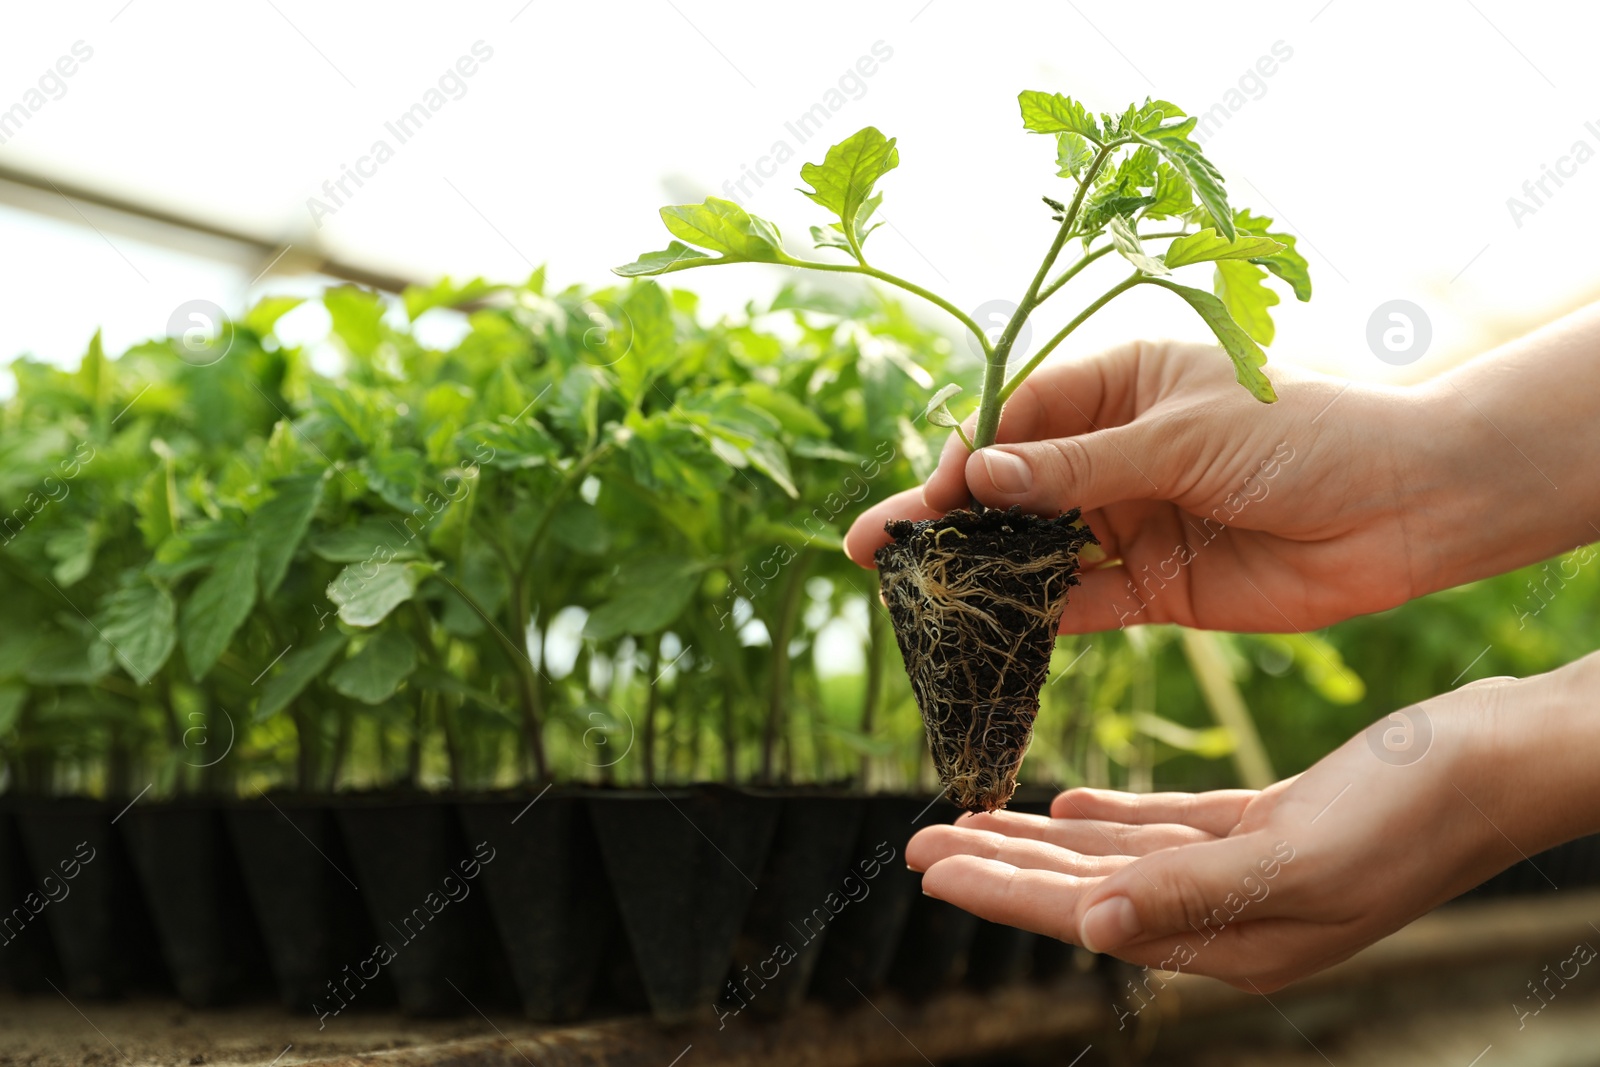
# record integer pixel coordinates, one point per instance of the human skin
(1373, 843)
(1389, 493)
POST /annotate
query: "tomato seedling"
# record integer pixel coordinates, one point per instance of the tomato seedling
(977, 596)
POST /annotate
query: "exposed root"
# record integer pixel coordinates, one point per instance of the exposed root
(976, 615)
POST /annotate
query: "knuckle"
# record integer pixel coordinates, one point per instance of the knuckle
(1182, 901)
(1073, 467)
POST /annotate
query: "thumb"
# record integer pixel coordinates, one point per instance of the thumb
(1087, 471)
(1183, 890)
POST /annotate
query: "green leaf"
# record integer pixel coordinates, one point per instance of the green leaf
(95, 378)
(676, 256)
(1287, 264)
(649, 595)
(1136, 171)
(1242, 288)
(581, 528)
(669, 457)
(653, 332)
(1150, 116)
(649, 343)
(373, 674)
(188, 550)
(139, 622)
(1103, 207)
(829, 237)
(280, 525)
(1188, 162)
(1055, 113)
(73, 550)
(155, 501)
(725, 227)
(1127, 244)
(1073, 154)
(296, 670)
(69, 659)
(268, 310)
(1291, 266)
(843, 182)
(285, 452)
(357, 318)
(813, 534)
(367, 539)
(352, 410)
(513, 445)
(937, 411)
(742, 434)
(397, 477)
(505, 395)
(367, 592)
(792, 414)
(445, 293)
(768, 457)
(1173, 197)
(218, 607)
(1208, 245)
(1248, 359)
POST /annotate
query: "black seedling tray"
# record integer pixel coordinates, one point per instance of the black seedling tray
(547, 892)
(101, 929)
(196, 895)
(422, 881)
(683, 865)
(299, 878)
(568, 902)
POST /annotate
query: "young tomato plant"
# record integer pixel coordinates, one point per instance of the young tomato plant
(977, 596)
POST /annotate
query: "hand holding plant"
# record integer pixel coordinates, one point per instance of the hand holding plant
(976, 598)
(1224, 515)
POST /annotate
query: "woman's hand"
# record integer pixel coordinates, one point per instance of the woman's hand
(1337, 500)
(1225, 512)
(1261, 888)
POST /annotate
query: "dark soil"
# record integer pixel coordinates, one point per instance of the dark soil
(976, 599)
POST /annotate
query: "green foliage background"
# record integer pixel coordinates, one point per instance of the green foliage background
(597, 538)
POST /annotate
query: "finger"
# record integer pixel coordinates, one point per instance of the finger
(1059, 400)
(866, 534)
(1265, 952)
(936, 843)
(1215, 812)
(1036, 900)
(1077, 396)
(1091, 470)
(1105, 599)
(1191, 888)
(946, 488)
(1090, 837)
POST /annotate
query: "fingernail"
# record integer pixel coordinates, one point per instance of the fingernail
(1008, 471)
(1109, 925)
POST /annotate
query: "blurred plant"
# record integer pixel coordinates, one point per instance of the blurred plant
(593, 539)
(372, 577)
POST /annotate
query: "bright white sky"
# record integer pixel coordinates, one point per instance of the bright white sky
(1389, 142)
